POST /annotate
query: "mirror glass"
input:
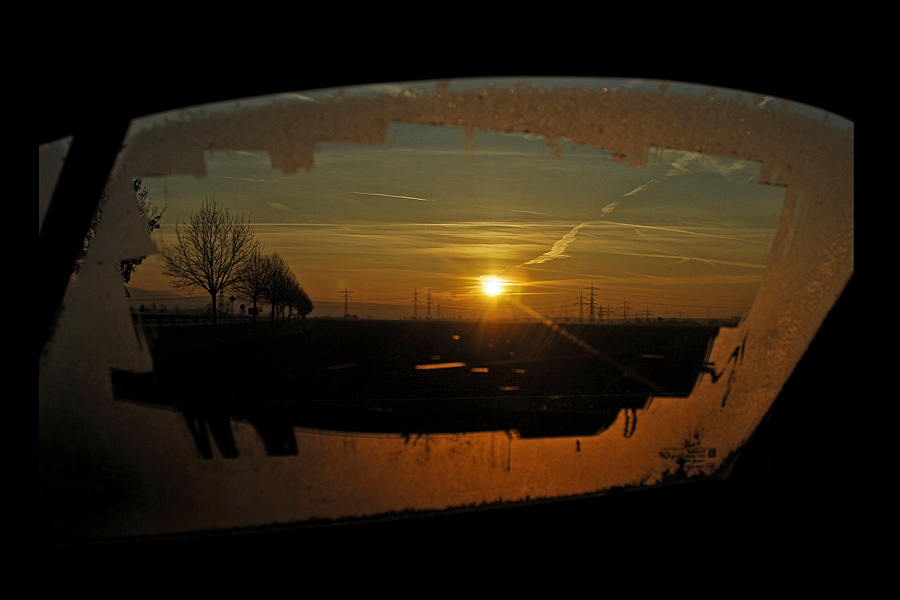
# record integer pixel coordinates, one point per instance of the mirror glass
(414, 297)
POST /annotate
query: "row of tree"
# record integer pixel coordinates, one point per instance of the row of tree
(216, 251)
(219, 251)
(268, 278)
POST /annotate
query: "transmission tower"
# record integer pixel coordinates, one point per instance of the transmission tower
(624, 305)
(580, 305)
(346, 294)
(591, 320)
(604, 312)
(416, 304)
(428, 303)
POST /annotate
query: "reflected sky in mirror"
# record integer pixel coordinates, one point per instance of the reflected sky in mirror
(686, 235)
(446, 211)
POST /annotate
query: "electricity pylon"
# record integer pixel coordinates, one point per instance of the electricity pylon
(346, 294)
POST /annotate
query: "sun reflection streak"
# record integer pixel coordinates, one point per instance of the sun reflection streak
(432, 366)
(576, 340)
(557, 329)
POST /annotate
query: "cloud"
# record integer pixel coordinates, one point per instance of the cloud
(559, 248)
(685, 163)
(391, 196)
(239, 178)
(278, 206)
(644, 187)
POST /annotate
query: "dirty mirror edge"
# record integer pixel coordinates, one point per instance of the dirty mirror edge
(831, 334)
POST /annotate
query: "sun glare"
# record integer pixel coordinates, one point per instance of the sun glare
(493, 286)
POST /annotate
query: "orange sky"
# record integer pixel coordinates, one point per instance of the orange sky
(428, 212)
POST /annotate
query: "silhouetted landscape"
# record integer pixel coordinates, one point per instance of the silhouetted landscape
(414, 377)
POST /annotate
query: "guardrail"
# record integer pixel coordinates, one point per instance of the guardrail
(186, 320)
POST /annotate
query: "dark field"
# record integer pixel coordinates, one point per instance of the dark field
(422, 376)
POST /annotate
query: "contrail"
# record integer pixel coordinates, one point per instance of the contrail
(239, 178)
(646, 186)
(559, 248)
(686, 232)
(278, 206)
(391, 196)
(608, 208)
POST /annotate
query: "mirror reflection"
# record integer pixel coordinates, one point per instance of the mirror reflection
(501, 282)
(415, 297)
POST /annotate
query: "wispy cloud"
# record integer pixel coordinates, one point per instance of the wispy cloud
(608, 208)
(685, 163)
(239, 178)
(677, 259)
(278, 206)
(644, 187)
(560, 246)
(391, 196)
(687, 232)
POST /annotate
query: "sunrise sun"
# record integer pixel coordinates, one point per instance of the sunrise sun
(493, 286)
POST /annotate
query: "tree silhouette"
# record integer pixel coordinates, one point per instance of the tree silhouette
(212, 253)
(302, 303)
(255, 282)
(280, 284)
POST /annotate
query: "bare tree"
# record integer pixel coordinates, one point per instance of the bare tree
(280, 284)
(302, 302)
(212, 253)
(255, 282)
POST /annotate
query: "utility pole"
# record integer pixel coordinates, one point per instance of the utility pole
(416, 304)
(346, 295)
